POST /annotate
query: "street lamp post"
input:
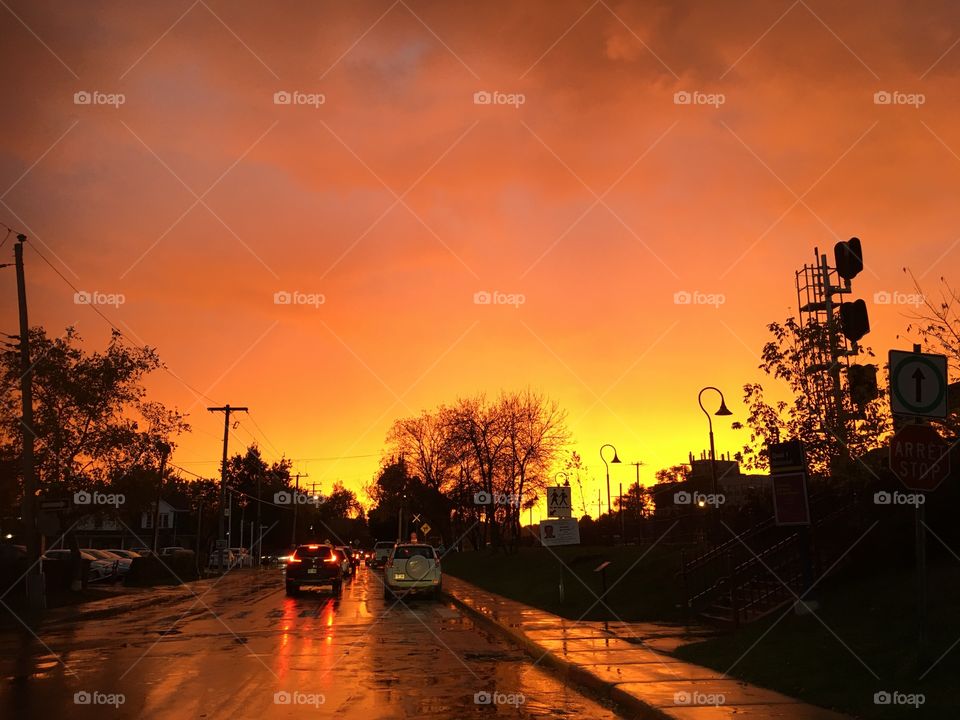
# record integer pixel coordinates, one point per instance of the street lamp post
(722, 411)
(614, 460)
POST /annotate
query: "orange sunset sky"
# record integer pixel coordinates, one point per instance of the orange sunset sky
(398, 197)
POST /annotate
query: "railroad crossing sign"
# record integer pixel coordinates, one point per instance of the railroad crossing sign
(919, 457)
(558, 502)
(918, 384)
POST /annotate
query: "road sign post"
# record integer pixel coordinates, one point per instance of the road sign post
(791, 506)
(920, 459)
(561, 528)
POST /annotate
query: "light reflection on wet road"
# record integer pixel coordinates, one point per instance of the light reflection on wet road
(353, 657)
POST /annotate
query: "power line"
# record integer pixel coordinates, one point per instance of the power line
(118, 330)
(260, 429)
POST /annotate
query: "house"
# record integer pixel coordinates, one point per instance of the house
(166, 518)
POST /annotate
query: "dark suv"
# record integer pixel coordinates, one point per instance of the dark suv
(314, 565)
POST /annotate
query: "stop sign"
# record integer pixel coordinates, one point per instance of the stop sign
(919, 457)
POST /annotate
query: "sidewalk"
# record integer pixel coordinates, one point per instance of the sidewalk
(626, 662)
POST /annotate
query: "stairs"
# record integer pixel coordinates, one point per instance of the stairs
(761, 571)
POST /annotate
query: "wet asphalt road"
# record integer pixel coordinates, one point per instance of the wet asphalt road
(244, 642)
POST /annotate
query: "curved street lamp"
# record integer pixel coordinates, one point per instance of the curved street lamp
(614, 460)
(722, 411)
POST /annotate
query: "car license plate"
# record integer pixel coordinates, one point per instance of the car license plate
(311, 571)
(399, 576)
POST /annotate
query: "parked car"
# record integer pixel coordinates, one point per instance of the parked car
(381, 551)
(129, 554)
(412, 568)
(97, 569)
(314, 565)
(121, 564)
(142, 551)
(174, 550)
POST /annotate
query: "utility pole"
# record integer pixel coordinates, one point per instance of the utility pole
(221, 538)
(36, 594)
(259, 528)
(623, 537)
(639, 498)
(164, 452)
(296, 501)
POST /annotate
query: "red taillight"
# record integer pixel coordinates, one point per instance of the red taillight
(313, 547)
(293, 559)
(331, 559)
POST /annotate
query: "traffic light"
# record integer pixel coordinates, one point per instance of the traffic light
(854, 323)
(862, 380)
(849, 258)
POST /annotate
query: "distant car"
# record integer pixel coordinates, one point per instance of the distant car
(381, 551)
(99, 569)
(314, 565)
(229, 559)
(412, 568)
(174, 550)
(349, 566)
(129, 554)
(242, 557)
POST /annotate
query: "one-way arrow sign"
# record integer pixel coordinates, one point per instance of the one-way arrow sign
(918, 384)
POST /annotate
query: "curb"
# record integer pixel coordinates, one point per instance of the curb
(573, 673)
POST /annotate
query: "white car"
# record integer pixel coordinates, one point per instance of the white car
(381, 551)
(412, 568)
(121, 564)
